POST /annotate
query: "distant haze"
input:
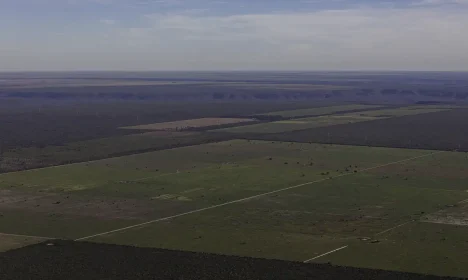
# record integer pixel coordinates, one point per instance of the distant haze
(233, 35)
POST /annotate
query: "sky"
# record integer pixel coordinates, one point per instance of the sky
(145, 35)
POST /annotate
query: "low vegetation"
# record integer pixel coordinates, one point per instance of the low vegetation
(341, 196)
(190, 124)
(296, 124)
(445, 130)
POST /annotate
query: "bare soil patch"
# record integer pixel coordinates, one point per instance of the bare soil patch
(456, 214)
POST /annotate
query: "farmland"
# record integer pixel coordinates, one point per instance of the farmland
(340, 195)
(58, 122)
(444, 130)
(321, 111)
(190, 124)
(365, 170)
(330, 120)
(36, 157)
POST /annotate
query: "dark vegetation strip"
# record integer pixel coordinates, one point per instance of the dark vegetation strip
(204, 138)
(280, 118)
(39, 124)
(85, 153)
(445, 130)
(82, 260)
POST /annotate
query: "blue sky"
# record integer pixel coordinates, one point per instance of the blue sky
(233, 35)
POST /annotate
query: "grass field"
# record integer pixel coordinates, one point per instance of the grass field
(329, 120)
(34, 157)
(187, 124)
(443, 130)
(407, 111)
(432, 248)
(321, 110)
(306, 200)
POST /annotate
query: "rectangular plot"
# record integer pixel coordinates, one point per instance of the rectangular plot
(187, 124)
(325, 121)
(322, 110)
(445, 130)
(76, 177)
(341, 210)
(405, 111)
(254, 168)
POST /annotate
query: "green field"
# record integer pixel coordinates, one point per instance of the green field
(407, 111)
(329, 120)
(338, 196)
(421, 247)
(321, 110)
(34, 157)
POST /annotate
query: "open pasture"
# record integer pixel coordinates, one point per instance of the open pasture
(190, 124)
(443, 130)
(36, 157)
(298, 124)
(321, 110)
(291, 201)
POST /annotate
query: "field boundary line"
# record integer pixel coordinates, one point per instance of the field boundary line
(401, 161)
(28, 236)
(249, 198)
(392, 228)
(327, 253)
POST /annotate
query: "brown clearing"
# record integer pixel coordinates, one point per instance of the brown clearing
(456, 214)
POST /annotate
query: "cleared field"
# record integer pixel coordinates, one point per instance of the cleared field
(325, 121)
(306, 199)
(299, 124)
(321, 110)
(444, 130)
(357, 211)
(188, 124)
(407, 111)
(163, 183)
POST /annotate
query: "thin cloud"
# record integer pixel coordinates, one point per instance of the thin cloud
(412, 38)
(440, 2)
